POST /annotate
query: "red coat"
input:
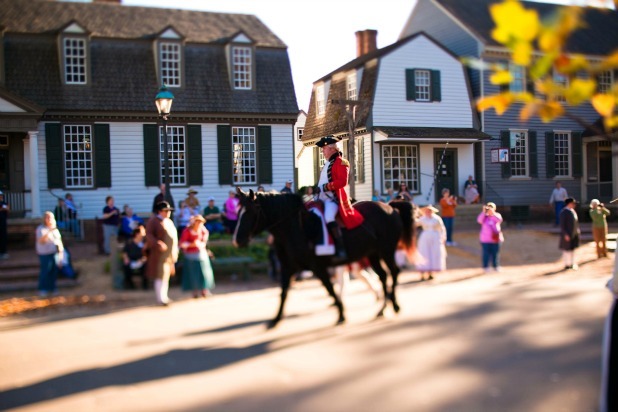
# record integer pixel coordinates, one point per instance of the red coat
(338, 172)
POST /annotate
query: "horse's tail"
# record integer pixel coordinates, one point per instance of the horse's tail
(407, 239)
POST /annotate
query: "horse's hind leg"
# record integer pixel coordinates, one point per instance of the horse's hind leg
(377, 267)
(389, 260)
(323, 275)
(285, 286)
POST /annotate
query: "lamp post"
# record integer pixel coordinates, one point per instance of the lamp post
(163, 100)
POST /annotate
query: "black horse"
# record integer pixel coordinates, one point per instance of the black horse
(286, 218)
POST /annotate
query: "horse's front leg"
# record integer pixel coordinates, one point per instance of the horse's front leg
(285, 286)
(323, 275)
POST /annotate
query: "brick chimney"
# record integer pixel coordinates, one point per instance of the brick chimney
(366, 42)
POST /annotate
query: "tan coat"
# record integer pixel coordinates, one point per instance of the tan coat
(161, 261)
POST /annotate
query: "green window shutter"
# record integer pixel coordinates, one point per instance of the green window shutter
(224, 150)
(410, 85)
(533, 154)
(152, 155)
(53, 148)
(316, 164)
(102, 156)
(577, 154)
(436, 91)
(505, 141)
(550, 157)
(265, 155)
(194, 155)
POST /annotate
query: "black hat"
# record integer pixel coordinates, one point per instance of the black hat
(326, 141)
(569, 200)
(163, 206)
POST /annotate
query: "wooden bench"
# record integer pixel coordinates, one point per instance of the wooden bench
(232, 262)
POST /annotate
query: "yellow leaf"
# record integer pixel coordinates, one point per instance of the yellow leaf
(501, 77)
(542, 66)
(521, 53)
(610, 123)
(513, 22)
(549, 41)
(550, 110)
(610, 62)
(604, 104)
(499, 102)
(529, 110)
(580, 90)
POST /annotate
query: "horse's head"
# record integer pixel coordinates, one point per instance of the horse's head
(248, 218)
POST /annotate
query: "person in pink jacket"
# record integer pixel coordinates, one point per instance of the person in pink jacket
(490, 236)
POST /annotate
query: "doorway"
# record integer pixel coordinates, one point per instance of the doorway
(445, 160)
(4, 170)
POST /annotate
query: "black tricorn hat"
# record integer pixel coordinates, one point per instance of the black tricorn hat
(163, 206)
(326, 141)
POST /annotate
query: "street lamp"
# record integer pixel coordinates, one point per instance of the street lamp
(163, 100)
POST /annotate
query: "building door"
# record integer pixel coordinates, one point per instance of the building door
(445, 161)
(4, 170)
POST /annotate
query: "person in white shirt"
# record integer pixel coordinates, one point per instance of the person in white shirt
(558, 196)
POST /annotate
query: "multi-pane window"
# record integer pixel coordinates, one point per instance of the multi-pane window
(359, 160)
(78, 165)
(351, 86)
(605, 81)
(244, 155)
(299, 133)
(562, 153)
(400, 164)
(170, 63)
(321, 159)
(75, 60)
(242, 64)
(422, 85)
(519, 153)
(562, 81)
(320, 104)
(176, 154)
(518, 84)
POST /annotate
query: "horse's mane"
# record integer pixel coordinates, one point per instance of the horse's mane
(279, 206)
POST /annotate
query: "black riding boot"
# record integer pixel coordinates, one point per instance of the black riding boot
(335, 232)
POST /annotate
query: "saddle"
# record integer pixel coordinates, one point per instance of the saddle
(324, 242)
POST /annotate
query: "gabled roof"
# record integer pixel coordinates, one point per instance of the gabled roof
(422, 134)
(598, 38)
(129, 22)
(334, 120)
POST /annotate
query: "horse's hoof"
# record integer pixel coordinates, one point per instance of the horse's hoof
(341, 321)
(272, 324)
(380, 314)
(396, 308)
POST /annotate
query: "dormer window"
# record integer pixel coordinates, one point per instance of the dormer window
(75, 59)
(170, 57)
(75, 54)
(170, 60)
(320, 103)
(242, 63)
(351, 86)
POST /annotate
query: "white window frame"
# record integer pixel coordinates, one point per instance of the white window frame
(78, 156)
(242, 67)
(244, 155)
(605, 81)
(320, 103)
(422, 85)
(359, 159)
(75, 60)
(170, 63)
(518, 84)
(401, 164)
(562, 153)
(299, 133)
(351, 86)
(517, 157)
(176, 154)
(560, 80)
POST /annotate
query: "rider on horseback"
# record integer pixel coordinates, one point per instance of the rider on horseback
(332, 184)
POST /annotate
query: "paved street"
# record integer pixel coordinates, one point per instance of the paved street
(528, 338)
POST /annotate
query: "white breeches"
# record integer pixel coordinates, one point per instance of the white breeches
(330, 210)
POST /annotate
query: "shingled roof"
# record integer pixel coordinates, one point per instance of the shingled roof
(122, 68)
(116, 21)
(597, 38)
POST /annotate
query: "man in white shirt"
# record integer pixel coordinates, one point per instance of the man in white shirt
(558, 196)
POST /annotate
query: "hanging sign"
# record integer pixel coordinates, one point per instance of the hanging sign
(500, 155)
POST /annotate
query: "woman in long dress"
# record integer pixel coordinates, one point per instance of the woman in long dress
(197, 275)
(431, 243)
